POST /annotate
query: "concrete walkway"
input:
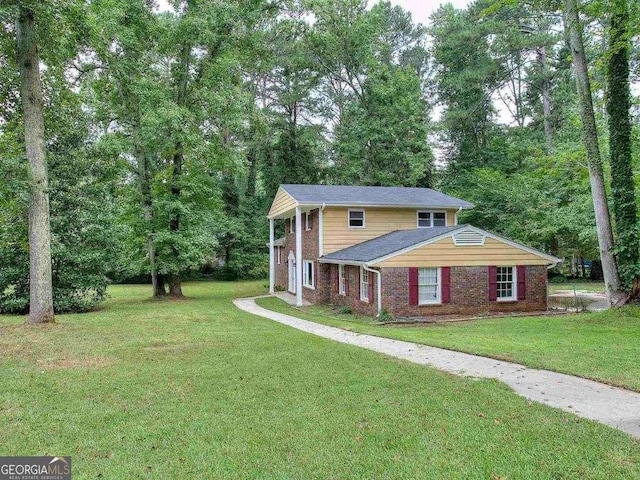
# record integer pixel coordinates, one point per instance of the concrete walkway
(612, 406)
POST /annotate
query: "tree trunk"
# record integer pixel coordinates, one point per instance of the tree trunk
(177, 161)
(546, 98)
(175, 288)
(596, 177)
(144, 181)
(622, 185)
(40, 282)
(159, 287)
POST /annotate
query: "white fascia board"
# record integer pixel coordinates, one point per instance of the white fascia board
(342, 262)
(368, 205)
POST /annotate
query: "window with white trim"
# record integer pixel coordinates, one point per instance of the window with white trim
(307, 274)
(342, 280)
(307, 221)
(292, 225)
(427, 219)
(364, 284)
(429, 288)
(356, 218)
(506, 283)
(279, 255)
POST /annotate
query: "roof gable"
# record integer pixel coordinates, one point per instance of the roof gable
(282, 203)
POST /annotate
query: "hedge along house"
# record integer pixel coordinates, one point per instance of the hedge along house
(397, 249)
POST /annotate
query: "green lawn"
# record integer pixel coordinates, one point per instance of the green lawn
(597, 287)
(604, 346)
(199, 389)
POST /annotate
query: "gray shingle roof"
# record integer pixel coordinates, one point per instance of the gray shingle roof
(362, 195)
(388, 244)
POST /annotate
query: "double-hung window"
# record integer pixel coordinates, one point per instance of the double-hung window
(292, 225)
(308, 274)
(428, 219)
(279, 255)
(429, 286)
(308, 221)
(506, 283)
(342, 280)
(364, 285)
(356, 218)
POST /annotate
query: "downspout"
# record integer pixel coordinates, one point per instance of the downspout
(321, 231)
(379, 285)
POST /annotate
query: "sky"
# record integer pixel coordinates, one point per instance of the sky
(420, 9)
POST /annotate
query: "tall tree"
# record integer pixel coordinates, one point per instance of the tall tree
(622, 183)
(382, 137)
(590, 138)
(465, 77)
(41, 289)
(124, 39)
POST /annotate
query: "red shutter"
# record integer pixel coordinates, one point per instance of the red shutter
(522, 282)
(358, 282)
(493, 283)
(413, 286)
(445, 272)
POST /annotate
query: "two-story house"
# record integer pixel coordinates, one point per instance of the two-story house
(397, 249)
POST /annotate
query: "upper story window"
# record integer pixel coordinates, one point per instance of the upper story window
(428, 219)
(506, 283)
(308, 221)
(356, 218)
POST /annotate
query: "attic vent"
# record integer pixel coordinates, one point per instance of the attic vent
(468, 238)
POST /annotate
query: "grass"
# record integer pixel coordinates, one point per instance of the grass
(603, 346)
(596, 287)
(199, 389)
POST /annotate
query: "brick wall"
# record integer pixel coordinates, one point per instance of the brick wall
(310, 250)
(281, 269)
(352, 298)
(469, 293)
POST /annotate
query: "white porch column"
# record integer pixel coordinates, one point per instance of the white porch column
(272, 269)
(298, 257)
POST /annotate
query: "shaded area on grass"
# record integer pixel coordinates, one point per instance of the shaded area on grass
(603, 346)
(201, 389)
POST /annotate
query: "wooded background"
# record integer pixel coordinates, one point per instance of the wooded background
(167, 134)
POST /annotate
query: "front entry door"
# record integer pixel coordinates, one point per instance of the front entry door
(292, 273)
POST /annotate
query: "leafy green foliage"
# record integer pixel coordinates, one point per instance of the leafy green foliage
(625, 211)
(82, 203)
(381, 139)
